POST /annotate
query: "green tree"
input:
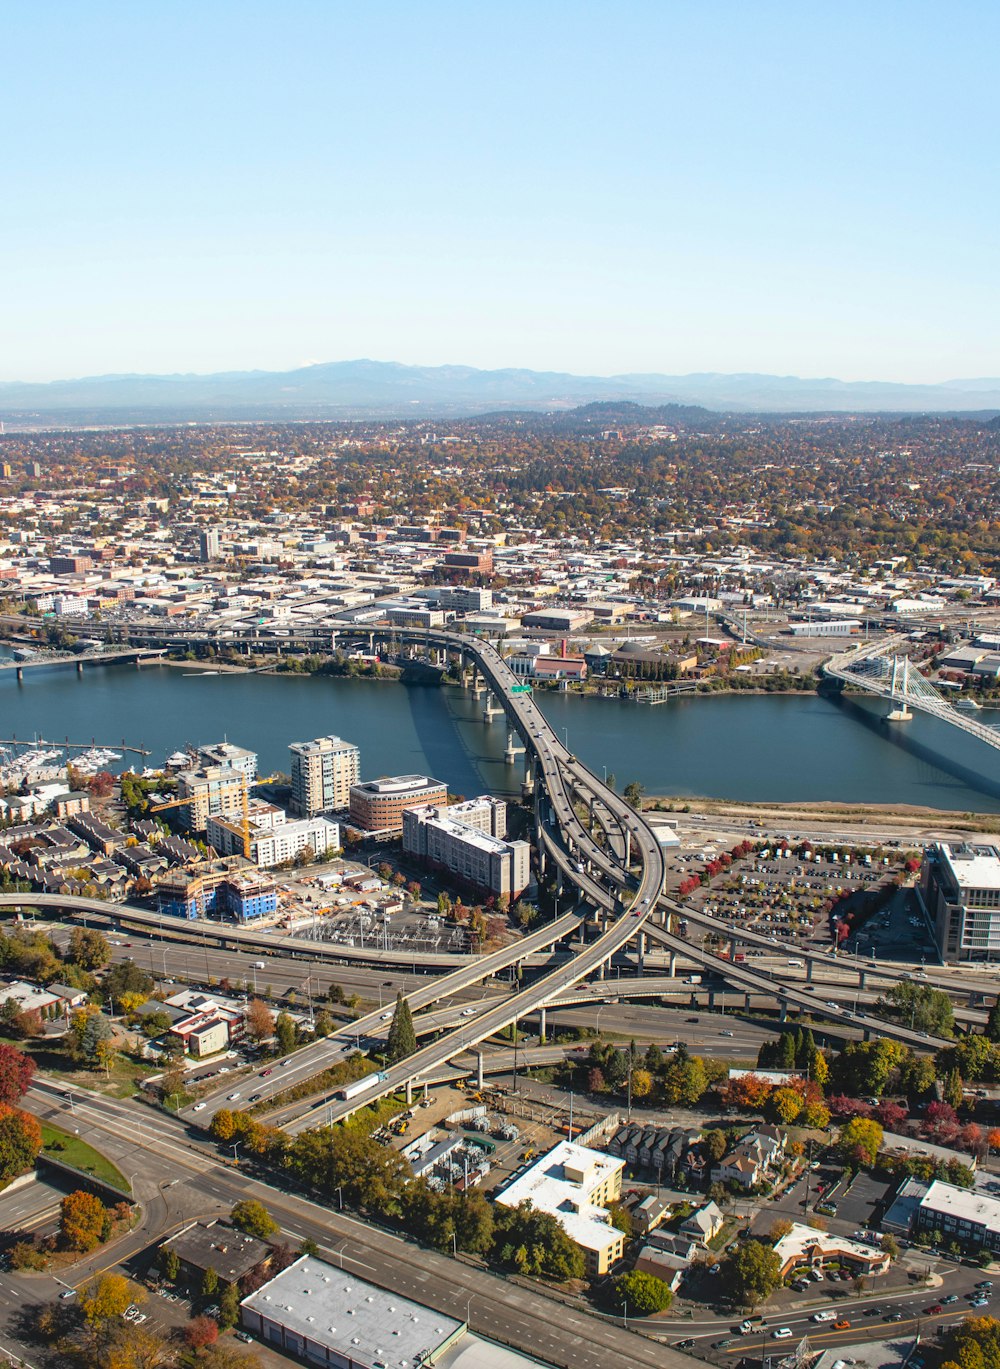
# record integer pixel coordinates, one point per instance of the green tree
(992, 1030)
(170, 1263)
(285, 1034)
(642, 1294)
(533, 1242)
(209, 1283)
(715, 1144)
(252, 1216)
(632, 794)
(952, 1088)
(684, 1080)
(754, 1272)
(919, 1006)
(229, 1306)
(402, 1039)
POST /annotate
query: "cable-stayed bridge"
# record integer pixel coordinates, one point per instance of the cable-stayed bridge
(878, 669)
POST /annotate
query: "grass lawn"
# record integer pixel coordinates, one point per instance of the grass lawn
(63, 1145)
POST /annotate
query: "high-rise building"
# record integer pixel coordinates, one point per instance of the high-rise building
(212, 789)
(236, 757)
(465, 841)
(208, 544)
(960, 888)
(323, 772)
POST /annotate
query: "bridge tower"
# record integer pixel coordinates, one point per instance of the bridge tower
(899, 689)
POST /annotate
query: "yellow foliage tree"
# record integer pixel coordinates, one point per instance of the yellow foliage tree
(108, 1297)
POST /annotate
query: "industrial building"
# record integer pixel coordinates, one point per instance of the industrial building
(379, 805)
(960, 888)
(326, 1316)
(323, 772)
(446, 839)
(572, 1184)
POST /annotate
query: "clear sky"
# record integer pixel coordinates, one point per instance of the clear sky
(788, 186)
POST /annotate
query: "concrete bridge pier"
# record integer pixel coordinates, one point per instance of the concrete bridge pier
(672, 965)
(491, 709)
(480, 1077)
(409, 1093)
(541, 1026)
(746, 1002)
(628, 847)
(642, 950)
(862, 978)
(513, 750)
(79, 667)
(783, 1015)
(20, 675)
(810, 965)
(528, 783)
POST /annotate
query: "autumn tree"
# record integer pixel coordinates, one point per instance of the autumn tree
(753, 1272)
(16, 1073)
(107, 1297)
(201, 1331)
(861, 1140)
(259, 1020)
(20, 1141)
(88, 948)
(83, 1221)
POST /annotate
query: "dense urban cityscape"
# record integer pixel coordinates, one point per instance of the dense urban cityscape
(702, 1072)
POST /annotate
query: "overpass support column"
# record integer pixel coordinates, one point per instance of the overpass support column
(642, 950)
(784, 1012)
(628, 848)
(480, 1080)
(409, 1092)
(513, 750)
(528, 784)
(862, 979)
(541, 1025)
(809, 970)
(672, 966)
(746, 1002)
(79, 667)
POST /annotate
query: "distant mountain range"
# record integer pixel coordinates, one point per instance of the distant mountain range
(381, 389)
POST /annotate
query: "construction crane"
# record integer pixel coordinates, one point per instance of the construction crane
(245, 787)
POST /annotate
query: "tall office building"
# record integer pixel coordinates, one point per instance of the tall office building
(208, 544)
(960, 888)
(323, 772)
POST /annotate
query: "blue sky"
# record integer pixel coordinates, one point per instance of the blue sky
(677, 185)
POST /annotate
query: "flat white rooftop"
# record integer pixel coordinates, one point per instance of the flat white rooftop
(964, 1204)
(975, 865)
(330, 1307)
(548, 1187)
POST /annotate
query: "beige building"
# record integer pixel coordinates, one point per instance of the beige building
(469, 851)
(215, 790)
(323, 772)
(573, 1184)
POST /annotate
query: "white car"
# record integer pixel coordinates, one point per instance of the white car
(823, 1316)
(782, 1333)
(468, 1012)
(199, 1107)
(232, 1097)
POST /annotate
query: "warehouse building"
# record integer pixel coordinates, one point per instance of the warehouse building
(326, 1316)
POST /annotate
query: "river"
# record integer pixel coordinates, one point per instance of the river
(769, 748)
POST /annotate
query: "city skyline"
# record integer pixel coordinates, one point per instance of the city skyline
(661, 190)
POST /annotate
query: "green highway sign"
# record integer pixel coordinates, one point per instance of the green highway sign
(520, 689)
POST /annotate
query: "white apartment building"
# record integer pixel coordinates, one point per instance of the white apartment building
(236, 757)
(960, 887)
(573, 1184)
(468, 850)
(323, 772)
(274, 840)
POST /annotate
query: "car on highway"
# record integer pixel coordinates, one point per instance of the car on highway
(70, 1293)
(745, 1327)
(265, 1073)
(952, 1297)
(894, 1316)
(725, 1033)
(934, 1309)
(722, 1344)
(873, 1311)
(384, 1017)
(468, 1012)
(199, 1107)
(842, 1325)
(685, 1344)
(823, 1316)
(782, 1333)
(254, 1097)
(232, 1097)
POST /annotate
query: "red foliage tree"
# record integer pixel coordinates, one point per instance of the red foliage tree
(201, 1331)
(16, 1074)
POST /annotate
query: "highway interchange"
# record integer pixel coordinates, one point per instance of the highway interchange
(627, 905)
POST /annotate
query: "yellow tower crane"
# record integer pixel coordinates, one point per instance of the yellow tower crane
(245, 788)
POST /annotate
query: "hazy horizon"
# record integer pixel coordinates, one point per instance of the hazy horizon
(662, 188)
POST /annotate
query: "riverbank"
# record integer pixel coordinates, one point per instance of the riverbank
(907, 817)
